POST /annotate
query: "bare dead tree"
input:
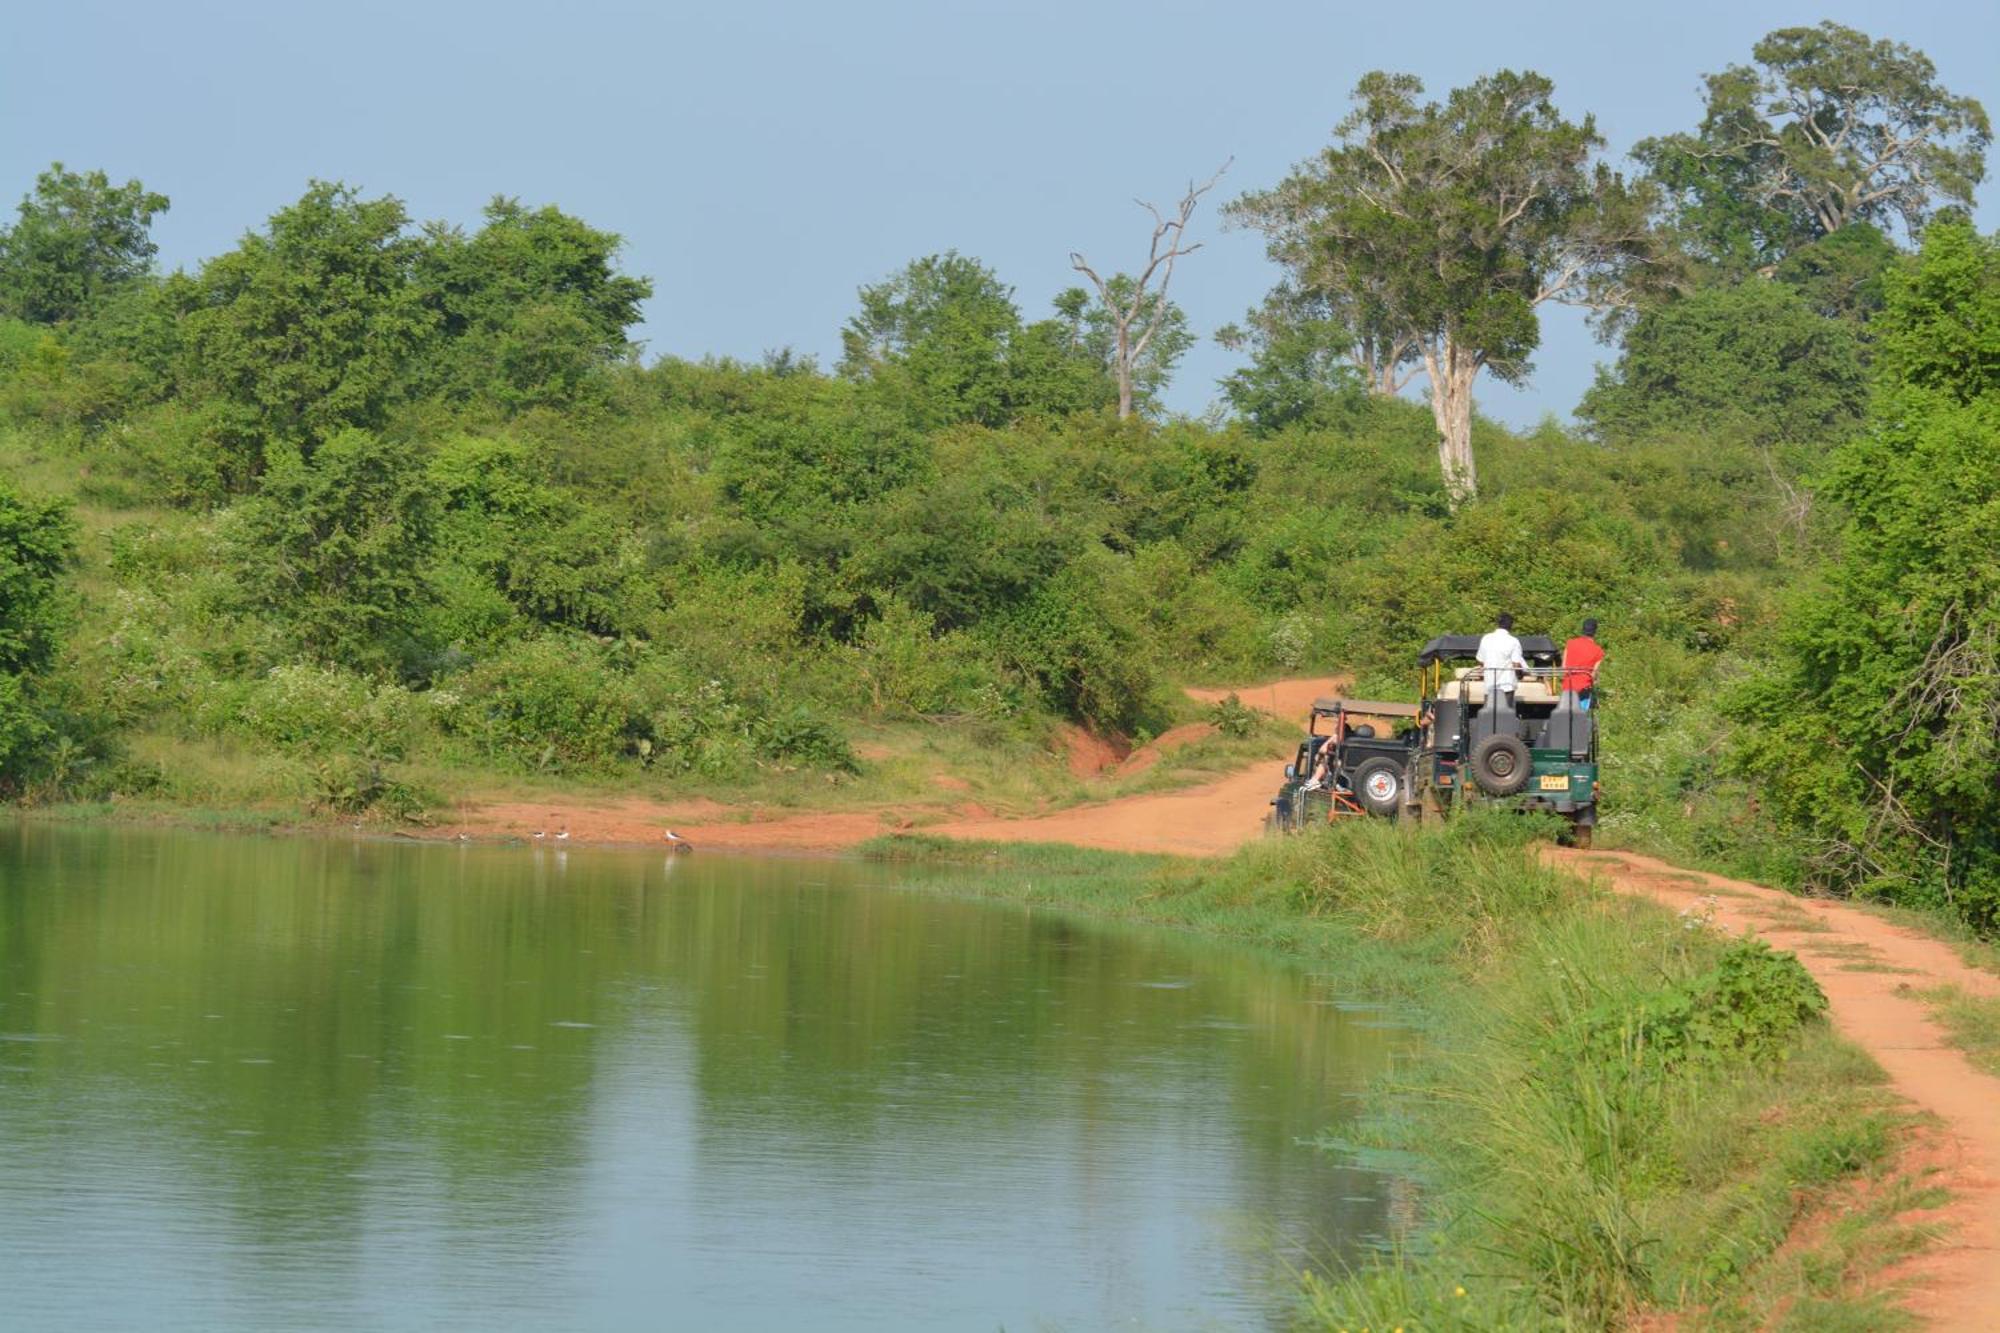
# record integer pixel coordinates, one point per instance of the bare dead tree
(1138, 312)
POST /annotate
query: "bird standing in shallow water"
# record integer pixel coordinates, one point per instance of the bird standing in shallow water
(563, 836)
(678, 843)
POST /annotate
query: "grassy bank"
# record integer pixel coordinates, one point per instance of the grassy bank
(1635, 1112)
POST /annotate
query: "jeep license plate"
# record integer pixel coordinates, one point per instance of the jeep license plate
(1555, 782)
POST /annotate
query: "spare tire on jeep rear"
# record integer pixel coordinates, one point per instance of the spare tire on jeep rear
(1501, 765)
(1378, 785)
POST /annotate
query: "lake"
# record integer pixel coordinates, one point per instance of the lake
(251, 1083)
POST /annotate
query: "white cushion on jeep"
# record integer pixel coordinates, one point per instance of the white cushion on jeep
(1470, 689)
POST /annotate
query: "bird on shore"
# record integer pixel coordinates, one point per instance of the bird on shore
(563, 836)
(540, 834)
(678, 843)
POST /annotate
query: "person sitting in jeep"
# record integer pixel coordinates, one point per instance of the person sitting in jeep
(1322, 773)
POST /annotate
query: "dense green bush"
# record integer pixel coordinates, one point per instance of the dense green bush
(1876, 733)
(37, 543)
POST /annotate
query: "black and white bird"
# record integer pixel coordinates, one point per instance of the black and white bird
(563, 836)
(678, 843)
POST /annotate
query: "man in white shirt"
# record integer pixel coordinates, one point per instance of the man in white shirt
(1499, 657)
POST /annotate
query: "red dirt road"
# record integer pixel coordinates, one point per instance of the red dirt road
(1208, 820)
(1956, 1283)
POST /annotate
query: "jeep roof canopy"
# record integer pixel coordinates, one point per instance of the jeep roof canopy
(1365, 707)
(1467, 645)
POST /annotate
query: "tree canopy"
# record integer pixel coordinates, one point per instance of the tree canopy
(1878, 734)
(77, 239)
(1825, 128)
(1444, 226)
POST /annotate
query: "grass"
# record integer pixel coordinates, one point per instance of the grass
(1973, 951)
(1585, 1183)
(1970, 1022)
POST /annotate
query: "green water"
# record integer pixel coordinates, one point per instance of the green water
(287, 1084)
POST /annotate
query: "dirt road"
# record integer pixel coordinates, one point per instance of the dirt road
(1955, 1284)
(1208, 820)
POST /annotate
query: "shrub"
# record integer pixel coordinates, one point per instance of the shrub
(1750, 1005)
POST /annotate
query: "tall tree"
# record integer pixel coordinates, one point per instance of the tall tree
(530, 305)
(1135, 310)
(1828, 127)
(78, 237)
(944, 339)
(1306, 358)
(311, 326)
(1449, 224)
(939, 331)
(1878, 734)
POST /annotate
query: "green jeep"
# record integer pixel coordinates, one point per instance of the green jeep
(1538, 754)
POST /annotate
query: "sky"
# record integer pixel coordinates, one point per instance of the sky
(763, 160)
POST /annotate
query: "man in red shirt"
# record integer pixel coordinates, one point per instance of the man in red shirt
(1581, 658)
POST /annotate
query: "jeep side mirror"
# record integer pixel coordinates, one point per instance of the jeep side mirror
(1291, 770)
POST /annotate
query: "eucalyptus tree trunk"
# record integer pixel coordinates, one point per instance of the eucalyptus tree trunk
(1452, 368)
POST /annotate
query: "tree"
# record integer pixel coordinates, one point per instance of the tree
(78, 238)
(530, 305)
(37, 542)
(310, 327)
(1878, 737)
(1841, 276)
(1828, 128)
(1446, 226)
(944, 338)
(333, 546)
(939, 329)
(1752, 361)
(1306, 360)
(1092, 327)
(1135, 314)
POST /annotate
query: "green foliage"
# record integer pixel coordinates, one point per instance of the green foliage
(531, 306)
(1877, 735)
(1307, 361)
(1231, 717)
(309, 327)
(1749, 1005)
(333, 547)
(1438, 229)
(37, 543)
(358, 784)
(1751, 362)
(512, 546)
(1078, 640)
(570, 704)
(943, 341)
(1828, 128)
(77, 240)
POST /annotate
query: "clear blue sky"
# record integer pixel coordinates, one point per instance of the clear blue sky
(764, 159)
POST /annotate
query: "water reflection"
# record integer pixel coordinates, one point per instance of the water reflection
(255, 1083)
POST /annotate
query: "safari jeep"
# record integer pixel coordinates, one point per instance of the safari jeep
(1469, 745)
(1368, 763)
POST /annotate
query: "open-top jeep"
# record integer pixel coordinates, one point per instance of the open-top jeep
(1366, 763)
(1470, 744)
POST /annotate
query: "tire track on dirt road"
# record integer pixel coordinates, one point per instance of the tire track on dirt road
(1954, 1284)
(1212, 819)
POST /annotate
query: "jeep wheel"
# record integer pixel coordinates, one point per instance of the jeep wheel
(1501, 765)
(1378, 785)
